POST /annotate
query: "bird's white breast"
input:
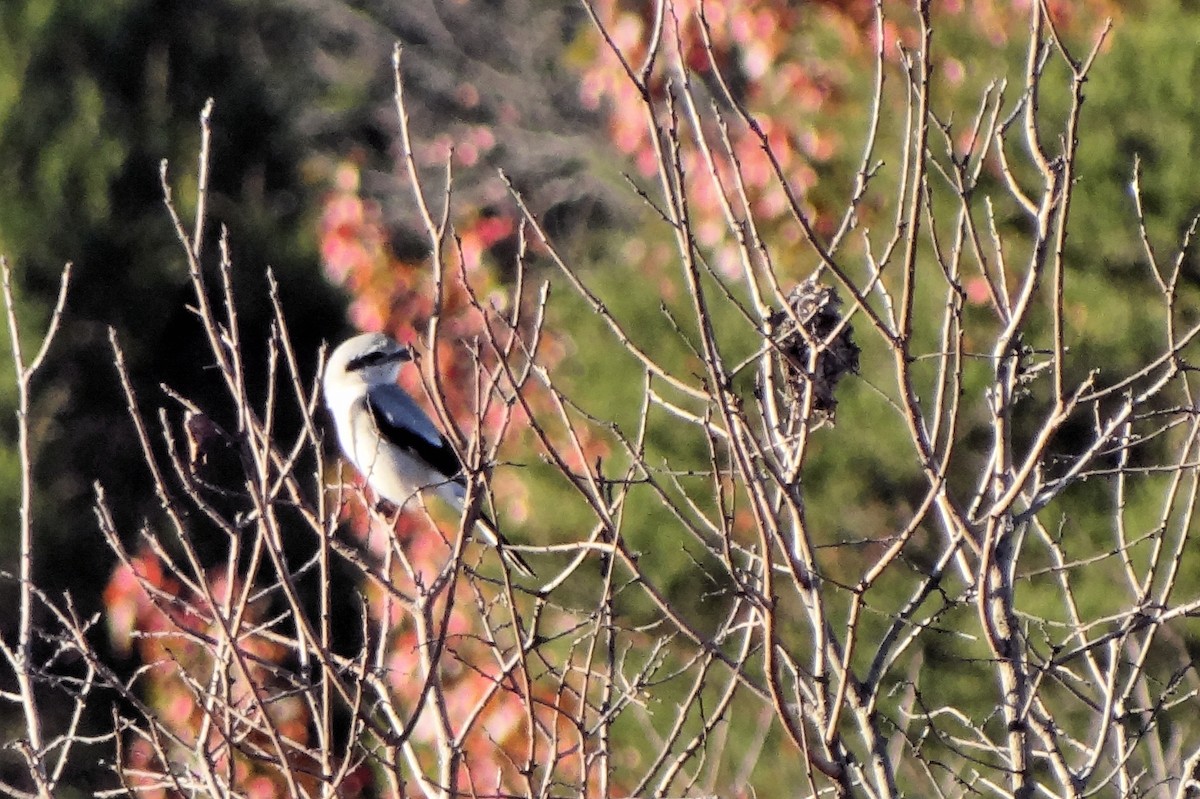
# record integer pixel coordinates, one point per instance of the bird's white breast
(394, 473)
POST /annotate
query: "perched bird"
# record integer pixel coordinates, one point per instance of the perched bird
(388, 438)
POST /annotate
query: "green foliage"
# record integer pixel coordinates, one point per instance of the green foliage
(92, 97)
(1141, 104)
(863, 476)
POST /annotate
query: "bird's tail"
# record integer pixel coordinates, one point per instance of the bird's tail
(455, 493)
(489, 533)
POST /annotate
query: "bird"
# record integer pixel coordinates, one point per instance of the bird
(392, 443)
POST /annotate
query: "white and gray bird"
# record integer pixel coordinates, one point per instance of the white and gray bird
(389, 439)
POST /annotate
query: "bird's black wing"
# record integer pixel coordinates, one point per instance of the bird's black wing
(402, 422)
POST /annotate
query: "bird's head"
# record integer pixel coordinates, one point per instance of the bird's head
(368, 360)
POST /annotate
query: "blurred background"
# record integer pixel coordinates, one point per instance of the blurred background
(93, 96)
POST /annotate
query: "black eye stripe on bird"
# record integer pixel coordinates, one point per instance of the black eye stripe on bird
(388, 438)
(379, 356)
